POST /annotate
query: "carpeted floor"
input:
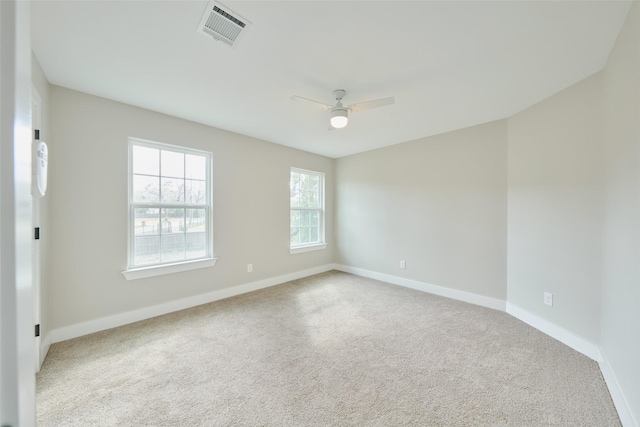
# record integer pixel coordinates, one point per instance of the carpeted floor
(328, 350)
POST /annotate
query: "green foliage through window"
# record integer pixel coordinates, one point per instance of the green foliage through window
(307, 207)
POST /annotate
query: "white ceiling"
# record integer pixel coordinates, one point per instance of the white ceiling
(449, 64)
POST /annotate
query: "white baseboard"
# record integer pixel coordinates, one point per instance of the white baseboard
(619, 400)
(45, 344)
(563, 335)
(476, 299)
(97, 325)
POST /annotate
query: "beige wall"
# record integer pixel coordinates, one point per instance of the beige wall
(574, 209)
(621, 269)
(440, 203)
(555, 208)
(88, 171)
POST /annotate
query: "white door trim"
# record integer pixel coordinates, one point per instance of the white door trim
(17, 378)
(36, 266)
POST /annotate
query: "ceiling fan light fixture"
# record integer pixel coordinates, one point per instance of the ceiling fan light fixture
(339, 118)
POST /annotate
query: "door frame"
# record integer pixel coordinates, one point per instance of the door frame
(36, 266)
(17, 378)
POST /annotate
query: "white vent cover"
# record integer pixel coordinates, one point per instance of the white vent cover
(222, 23)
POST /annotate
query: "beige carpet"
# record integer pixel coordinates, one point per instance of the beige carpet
(329, 350)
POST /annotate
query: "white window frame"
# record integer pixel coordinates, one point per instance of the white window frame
(296, 249)
(208, 260)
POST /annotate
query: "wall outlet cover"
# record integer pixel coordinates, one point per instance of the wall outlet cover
(548, 299)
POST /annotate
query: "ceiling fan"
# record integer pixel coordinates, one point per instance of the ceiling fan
(340, 113)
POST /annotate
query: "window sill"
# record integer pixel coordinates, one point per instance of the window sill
(160, 270)
(301, 249)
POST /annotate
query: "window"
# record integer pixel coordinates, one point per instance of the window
(170, 204)
(307, 210)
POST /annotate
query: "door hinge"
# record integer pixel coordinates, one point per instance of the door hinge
(38, 330)
(37, 233)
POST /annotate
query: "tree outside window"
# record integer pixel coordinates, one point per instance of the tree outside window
(170, 204)
(307, 208)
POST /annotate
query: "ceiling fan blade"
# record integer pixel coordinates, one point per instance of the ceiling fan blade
(371, 104)
(322, 105)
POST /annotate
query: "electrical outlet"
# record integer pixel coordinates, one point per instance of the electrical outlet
(548, 299)
(403, 264)
(249, 268)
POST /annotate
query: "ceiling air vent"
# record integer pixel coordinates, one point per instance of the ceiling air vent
(222, 23)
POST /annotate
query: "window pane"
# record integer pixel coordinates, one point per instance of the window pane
(304, 183)
(172, 164)
(196, 238)
(306, 203)
(295, 181)
(146, 160)
(172, 190)
(196, 220)
(146, 240)
(305, 190)
(196, 245)
(173, 247)
(172, 239)
(196, 192)
(303, 201)
(314, 218)
(145, 189)
(295, 218)
(313, 234)
(304, 218)
(167, 177)
(146, 221)
(172, 220)
(313, 200)
(314, 181)
(295, 235)
(294, 188)
(146, 250)
(296, 200)
(196, 167)
(304, 235)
